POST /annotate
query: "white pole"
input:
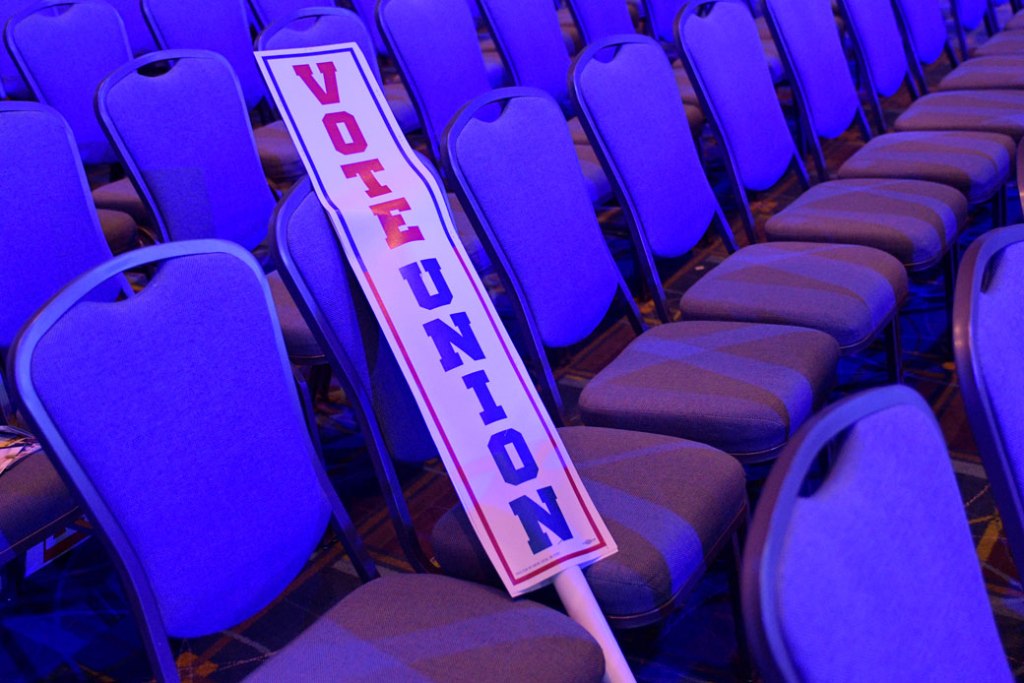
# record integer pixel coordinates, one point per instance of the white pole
(579, 602)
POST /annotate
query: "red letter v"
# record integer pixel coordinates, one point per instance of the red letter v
(327, 94)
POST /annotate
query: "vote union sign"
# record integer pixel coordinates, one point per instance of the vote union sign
(506, 461)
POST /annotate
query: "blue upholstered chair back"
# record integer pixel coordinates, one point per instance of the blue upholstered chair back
(988, 328)
(721, 45)
(10, 78)
(518, 177)
(927, 27)
(810, 42)
(367, 9)
(970, 13)
(661, 18)
(599, 19)
(314, 26)
(221, 26)
(268, 12)
(434, 43)
(50, 233)
(833, 590)
(64, 48)
(139, 35)
(881, 44)
(529, 37)
(180, 124)
(313, 266)
(628, 100)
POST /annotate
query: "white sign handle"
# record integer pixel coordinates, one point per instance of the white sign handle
(575, 594)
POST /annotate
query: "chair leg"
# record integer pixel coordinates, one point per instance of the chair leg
(309, 412)
(894, 351)
(744, 662)
(999, 209)
(949, 284)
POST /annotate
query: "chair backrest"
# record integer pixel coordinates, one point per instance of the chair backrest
(517, 175)
(833, 588)
(190, 375)
(50, 232)
(880, 46)
(969, 13)
(628, 100)
(529, 38)
(10, 78)
(435, 45)
(809, 42)
(64, 48)
(221, 26)
(268, 12)
(723, 52)
(988, 320)
(139, 35)
(661, 18)
(367, 9)
(179, 122)
(599, 19)
(926, 25)
(314, 26)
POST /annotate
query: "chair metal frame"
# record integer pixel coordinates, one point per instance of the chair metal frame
(133, 577)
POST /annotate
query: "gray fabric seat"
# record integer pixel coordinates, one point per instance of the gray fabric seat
(1005, 42)
(994, 72)
(278, 156)
(298, 338)
(405, 113)
(120, 195)
(419, 628)
(666, 523)
(1016, 22)
(848, 291)
(912, 220)
(119, 229)
(32, 498)
(990, 111)
(737, 387)
(976, 164)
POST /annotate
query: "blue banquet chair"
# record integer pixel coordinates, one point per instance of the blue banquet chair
(12, 86)
(739, 387)
(669, 526)
(193, 374)
(624, 90)
(268, 12)
(988, 317)
(833, 590)
(139, 36)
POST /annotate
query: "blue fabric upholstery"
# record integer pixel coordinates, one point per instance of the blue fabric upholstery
(970, 13)
(269, 11)
(851, 292)
(120, 195)
(738, 387)
(860, 599)
(927, 27)
(991, 111)
(165, 371)
(599, 19)
(186, 135)
(1010, 42)
(994, 72)
(881, 43)
(119, 229)
(521, 172)
(13, 85)
(417, 629)
(725, 51)
(668, 524)
(217, 25)
(50, 232)
(367, 9)
(34, 497)
(139, 35)
(65, 52)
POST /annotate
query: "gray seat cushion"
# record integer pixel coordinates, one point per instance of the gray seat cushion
(417, 628)
(850, 292)
(685, 86)
(912, 220)
(1006, 42)
(989, 111)
(1016, 22)
(670, 505)
(998, 72)
(976, 164)
(119, 229)
(120, 195)
(298, 338)
(738, 387)
(33, 499)
(278, 156)
(405, 113)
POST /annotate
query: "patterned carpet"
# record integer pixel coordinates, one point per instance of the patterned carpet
(71, 622)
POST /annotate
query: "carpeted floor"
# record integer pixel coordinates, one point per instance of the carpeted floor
(71, 621)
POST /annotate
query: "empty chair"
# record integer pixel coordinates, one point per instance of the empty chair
(435, 47)
(330, 25)
(64, 48)
(988, 316)
(977, 164)
(668, 526)
(738, 387)
(179, 122)
(968, 15)
(222, 26)
(193, 374)
(832, 590)
(268, 12)
(624, 90)
(139, 36)
(11, 83)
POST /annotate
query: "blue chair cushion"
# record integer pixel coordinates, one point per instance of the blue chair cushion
(995, 72)
(738, 387)
(976, 164)
(1016, 22)
(667, 522)
(298, 338)
(33, 498)
(990, 111)
(278, 157)
(420, 628)
(119, 229)
(402, 106)
(120, 195)
(1011, 42)
(913, 220)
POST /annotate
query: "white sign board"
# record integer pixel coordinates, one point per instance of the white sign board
(506, 460)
